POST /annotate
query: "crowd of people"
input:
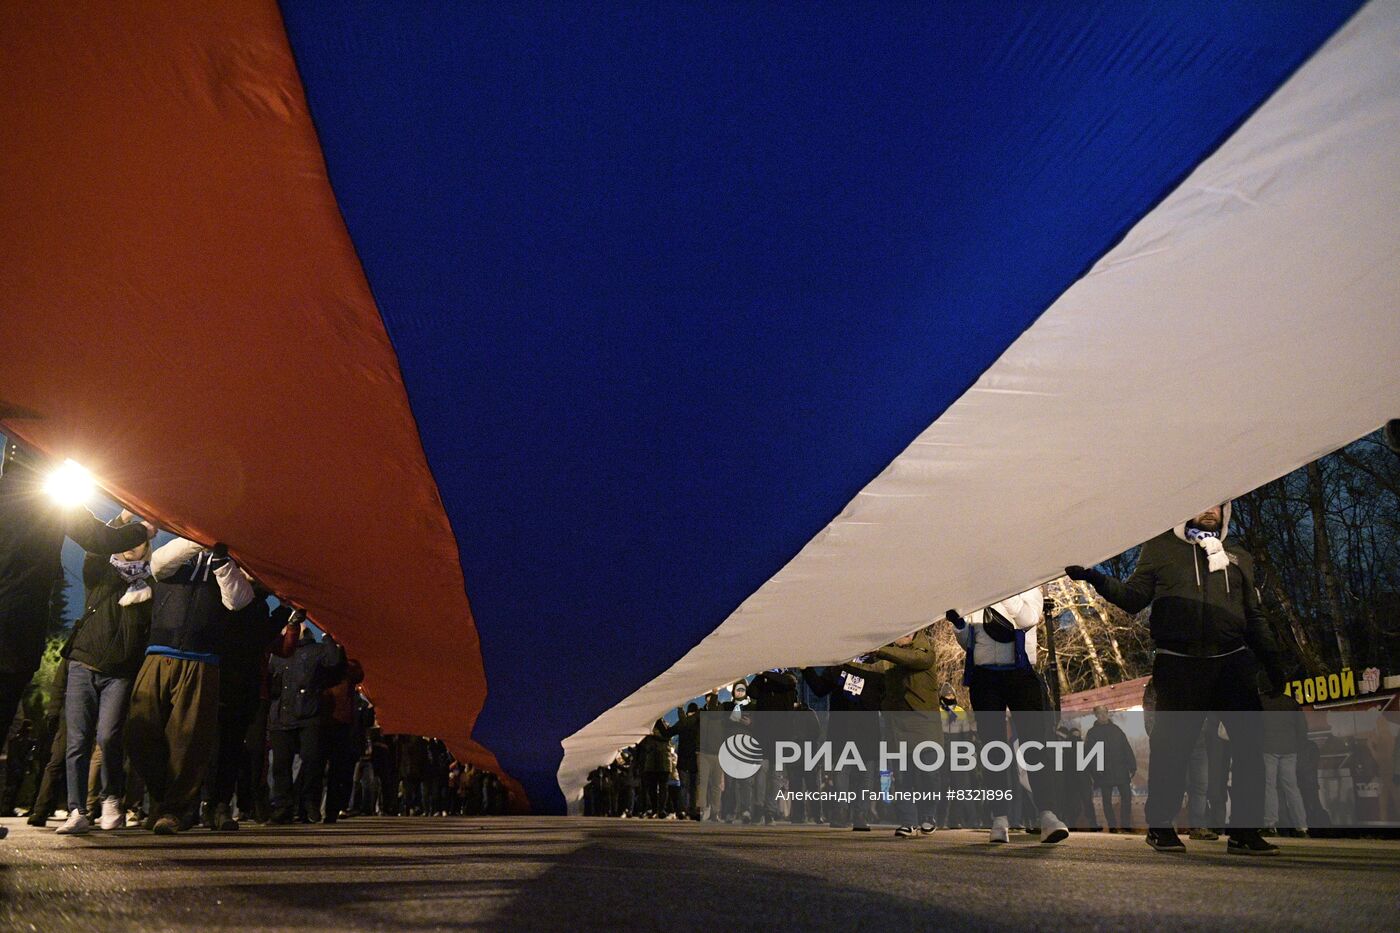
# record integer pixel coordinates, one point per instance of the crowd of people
(673, 774)
(1216, 664)
(183, 696)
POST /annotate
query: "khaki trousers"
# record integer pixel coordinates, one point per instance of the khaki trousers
(171, 729)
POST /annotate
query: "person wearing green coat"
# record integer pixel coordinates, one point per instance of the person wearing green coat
(911, 696)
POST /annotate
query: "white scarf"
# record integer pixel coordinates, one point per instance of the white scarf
(1209, 541)
(134, 572)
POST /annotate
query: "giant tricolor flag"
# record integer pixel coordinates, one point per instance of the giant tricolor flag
(568, 359)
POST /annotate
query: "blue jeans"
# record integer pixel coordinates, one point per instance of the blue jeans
(1281, 775)
(94, 700)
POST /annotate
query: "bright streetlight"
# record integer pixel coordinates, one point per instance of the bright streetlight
(70, 484)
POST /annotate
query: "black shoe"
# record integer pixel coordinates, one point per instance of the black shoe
(861, 829)
(280, 818)
(38, 818)
(1165, 840)
(222, 820)
(1249, 842)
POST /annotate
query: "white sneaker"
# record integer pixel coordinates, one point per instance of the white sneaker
(113, 816)
(1001, 830)
(1052, 828)
(76, 825)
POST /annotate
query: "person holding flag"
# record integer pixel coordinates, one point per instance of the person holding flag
(1000, 674)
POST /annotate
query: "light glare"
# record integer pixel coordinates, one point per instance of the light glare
(70, 485)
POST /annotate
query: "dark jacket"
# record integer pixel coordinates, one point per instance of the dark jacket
(1285, 725)
(804, 726)
(655, 753)
(1194, 611)
(247, 636)
(31, 548)
(109, 637)
(773, 691)
(193, 589)
(1119, 759)
(853, 688)
(298, 682)
(687, 729)
(714, 728)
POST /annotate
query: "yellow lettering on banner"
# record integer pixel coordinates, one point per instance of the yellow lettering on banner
(1323, 687)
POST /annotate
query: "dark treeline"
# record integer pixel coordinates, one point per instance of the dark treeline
(1326, 542)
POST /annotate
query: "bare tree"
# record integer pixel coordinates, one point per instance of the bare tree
(1322, 556)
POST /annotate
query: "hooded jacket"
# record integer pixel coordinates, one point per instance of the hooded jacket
(32, 529)
(1196, 611)
(1023, 611)
(109, 638)
(655, 752)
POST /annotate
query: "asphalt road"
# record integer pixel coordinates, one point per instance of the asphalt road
(571, 874)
